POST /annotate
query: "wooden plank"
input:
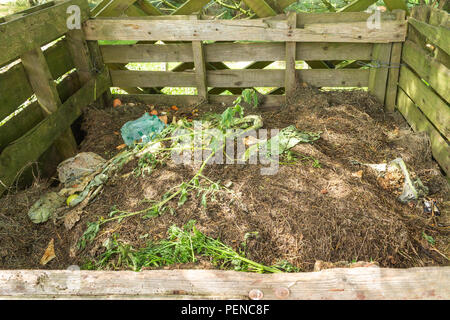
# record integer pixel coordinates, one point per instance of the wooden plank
(79, 52)
(244, 30)
(47, 95)
(200, 69)
(438, 35)
(186, 100)
(218, 52)
(30, 146)
(20, 124)
(190, 6)
(378, 76)
(290, 74)
(357, 5)
(239, 78)
(439, 147)
(36, 29)
(396, 5)
(148, 8)
(434, 108)
(20, 14)
(114, 8)
(261, 8)
(14, 86)
(396, 55)
(343, 284)
(435, 73)
(28, 118)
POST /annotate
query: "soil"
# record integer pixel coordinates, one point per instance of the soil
(334, 210)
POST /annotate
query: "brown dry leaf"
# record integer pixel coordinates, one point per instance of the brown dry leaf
(49, 253)
(121, 146)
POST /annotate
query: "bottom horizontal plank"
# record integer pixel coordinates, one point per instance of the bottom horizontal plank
(353, 283)
(187, 100)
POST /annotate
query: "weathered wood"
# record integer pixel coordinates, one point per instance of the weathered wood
(14, 86)
(435, 109)
(148, 8)
(290, 74)
(244, 30)
(396, 55)
(79, 52)
(354, 283)
(186, 100)
(439, 36)
(36, 29)
(31, 145)
(393, 5)
(20, 14)
(378, 77)
(200, 69)
(357, 5)
(47, 95)
(435, 73)
(439, 147)
(190, 6)
(114, 8)
(241, 78)
(218, 52)
(33, 114)
(260, 7)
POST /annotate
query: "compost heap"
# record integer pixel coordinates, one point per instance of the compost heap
(326, 205)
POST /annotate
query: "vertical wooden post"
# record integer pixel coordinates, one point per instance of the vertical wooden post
(47, 95)
(394, 71)
(86, 57)
(378, 76)
(200, 69)
(290, 74)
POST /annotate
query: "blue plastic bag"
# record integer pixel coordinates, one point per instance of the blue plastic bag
(145, 128)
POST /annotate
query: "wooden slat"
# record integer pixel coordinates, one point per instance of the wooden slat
(439, 36)
(396, 55)
(290, 74)
(47, 95)
(79, 52)
(218, 52)
(28, 118)
(396, 5)
(436, 110)
(241, 78)
(148, 8)
(115, 8)
(260, 7)
(439, 147)
(357, 5)
(20, 14)
(36, 29)
(186, 100)
(20, 124)
(14, 86)
(337, 17)
(30, 146)
(190, 6)
(200, 69)
(352, 284)
(234, 30)
(379, 76)
(435, 73)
